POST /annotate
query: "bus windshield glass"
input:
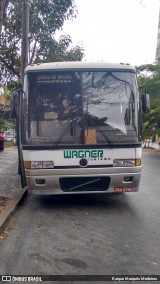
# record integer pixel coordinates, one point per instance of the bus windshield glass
(80, 107)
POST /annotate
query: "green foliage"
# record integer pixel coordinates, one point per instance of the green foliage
(6, 93)
(149, 81)
(46, 17)
(4, 124)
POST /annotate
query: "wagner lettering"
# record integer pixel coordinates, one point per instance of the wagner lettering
(79, 154)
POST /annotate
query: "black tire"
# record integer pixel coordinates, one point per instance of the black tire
(1, 145)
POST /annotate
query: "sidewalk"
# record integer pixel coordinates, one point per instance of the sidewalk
(154, 146)
(11, 192)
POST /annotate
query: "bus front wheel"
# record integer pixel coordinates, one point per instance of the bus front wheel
(1, 145)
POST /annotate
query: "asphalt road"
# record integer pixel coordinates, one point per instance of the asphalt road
(9, 178)
(100, 234)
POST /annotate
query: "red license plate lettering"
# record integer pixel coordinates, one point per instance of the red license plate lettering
(123, 189)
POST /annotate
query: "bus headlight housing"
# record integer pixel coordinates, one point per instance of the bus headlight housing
(124, 163)
(35, 165)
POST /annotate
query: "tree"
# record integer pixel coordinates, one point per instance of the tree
(5, 104)
(3, 8)
(46, 17)
(6, 93)
(149, 81)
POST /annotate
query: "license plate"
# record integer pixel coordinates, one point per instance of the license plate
(123, 189)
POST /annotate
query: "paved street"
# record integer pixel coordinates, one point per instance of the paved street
(7, 157)
(100, 234)
(9, 178)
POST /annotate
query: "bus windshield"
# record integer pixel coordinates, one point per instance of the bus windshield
(80, 107)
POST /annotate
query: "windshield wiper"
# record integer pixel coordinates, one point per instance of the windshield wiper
(63, 134)
(100, 130)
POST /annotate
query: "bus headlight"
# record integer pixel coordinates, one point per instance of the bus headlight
(124, 163)
(36, 165)
(48, 165)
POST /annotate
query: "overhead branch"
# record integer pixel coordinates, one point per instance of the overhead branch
(9, 67)
(3, 8)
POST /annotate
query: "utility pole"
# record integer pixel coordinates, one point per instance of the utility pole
(158, 41)
(25, 32)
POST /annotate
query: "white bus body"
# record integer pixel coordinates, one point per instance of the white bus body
(81, 128)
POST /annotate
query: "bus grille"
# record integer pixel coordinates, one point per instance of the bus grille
(84, 184)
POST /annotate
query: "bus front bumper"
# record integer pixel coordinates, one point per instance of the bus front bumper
(83, 180)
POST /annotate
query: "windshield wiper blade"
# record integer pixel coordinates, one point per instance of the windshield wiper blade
(100, 130)
(63, 134)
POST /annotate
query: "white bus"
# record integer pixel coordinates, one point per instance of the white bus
(79, 128)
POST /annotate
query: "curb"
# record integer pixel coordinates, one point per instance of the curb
(11, 208)
(151, 149)
(9, 145)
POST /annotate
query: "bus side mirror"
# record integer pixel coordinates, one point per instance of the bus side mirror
(145, 103)
(14, 105)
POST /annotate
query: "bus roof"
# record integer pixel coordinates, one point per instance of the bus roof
(78, 65)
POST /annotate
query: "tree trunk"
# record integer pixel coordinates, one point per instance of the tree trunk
(3, 7)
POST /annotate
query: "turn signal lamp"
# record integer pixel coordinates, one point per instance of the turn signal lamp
(138, 162)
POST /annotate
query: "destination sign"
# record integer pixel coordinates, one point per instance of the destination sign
(54, 78)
